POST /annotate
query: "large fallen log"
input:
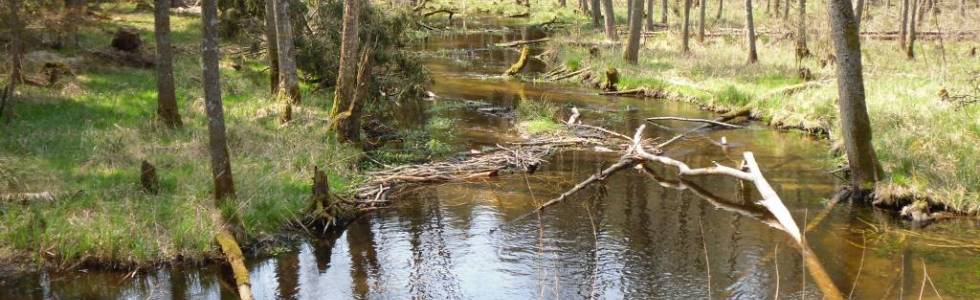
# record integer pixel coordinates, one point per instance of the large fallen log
(235, 258)
(519, 65)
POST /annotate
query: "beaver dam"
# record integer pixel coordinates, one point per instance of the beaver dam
(584, 213)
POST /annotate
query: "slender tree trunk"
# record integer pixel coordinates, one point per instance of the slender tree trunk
(859, 13)
(663, 12)
(15, 53)
(272, 43)
(801, 49)
(703, 7)
(649, 14)
(750, 32)
(910, 46)
(224, 186)
(775, 6)
(607, 7)
(786, 10)
(596, 14)
(903, 27)
(629, 12)
(855, 122)
(636, 28)
(166, 95)
(289, 83)
(963, 8)
(685, 28)
(347, 75)
(721, 5)
(562, 3)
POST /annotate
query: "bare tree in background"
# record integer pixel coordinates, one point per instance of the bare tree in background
(346, 125)
(607, 8)
(704, 5)
(750, 32)
(649, 14)
(858, 12)
(685, 28)
(721, 4)
(288, 82)
(663, 12)
(903, 27)
(801, 49)
(272, 44)
(224, 186)
(15, 54)
(596, 14)
(636, 28)
(910, 44)
(166, 95)
(855, 123)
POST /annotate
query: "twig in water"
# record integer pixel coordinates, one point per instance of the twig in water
(925, 275)
(860, 266)
(775, 255)
(707, 263)
(713, 122)
(595, 269)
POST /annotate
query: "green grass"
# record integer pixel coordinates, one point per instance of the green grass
(84, 140)
(927, 146)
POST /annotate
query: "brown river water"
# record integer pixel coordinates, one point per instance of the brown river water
(628, 238)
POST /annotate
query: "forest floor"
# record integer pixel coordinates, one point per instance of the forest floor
(925, 131)
(83, 140)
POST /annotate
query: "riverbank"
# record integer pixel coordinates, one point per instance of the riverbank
(83, 140)
(905, 106)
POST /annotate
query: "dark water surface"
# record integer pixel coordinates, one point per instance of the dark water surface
(629, 238)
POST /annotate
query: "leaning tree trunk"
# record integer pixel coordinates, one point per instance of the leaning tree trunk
(272, 44)
(801, 49)
(855, 123)
(649, 15)
(663, 12)
(701, 21)
(289, 83)
(685, 28)
(596, 14)
(224, 186)
(910, 44)
(903, 27)
(346, 76)
(607, 7)
(636, 27)
(750, 32)
(166, 95)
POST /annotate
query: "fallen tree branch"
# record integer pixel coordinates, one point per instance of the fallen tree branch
(719, 123)
(27, 197)
(569, 75)
(235, 258)
(521, 42)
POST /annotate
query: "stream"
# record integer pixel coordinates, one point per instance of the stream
(627, 238)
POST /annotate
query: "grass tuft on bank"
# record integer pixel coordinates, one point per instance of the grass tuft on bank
(84, 140)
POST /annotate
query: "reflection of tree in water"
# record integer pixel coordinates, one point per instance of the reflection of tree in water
(430, 256)
(363, 256)
(287, 275)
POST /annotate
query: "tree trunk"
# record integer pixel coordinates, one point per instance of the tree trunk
(16, 45)
(858, 13)
(775, 6)
(704, 6)
(903, 27)
(963, 8)
(685, 28)
(272, 44)
(750, 32)
(663, 12)
(649, 15)
(629, 12)
(785, 10)
(562, 3)
(76, 9)
(166, 95)
(224, 186)
(721, 4)
(607, 7)
(347, 75)
(596, 14)
(636, 28)
(910, 44)
(289, 84)
(801, 49)
(855, 123)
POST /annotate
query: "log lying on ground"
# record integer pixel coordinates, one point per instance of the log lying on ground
(25, 198)
(521, 42)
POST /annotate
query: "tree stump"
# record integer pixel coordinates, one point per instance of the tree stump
(612, 78)
(127, 39)
(148, 178)
(319, 207)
